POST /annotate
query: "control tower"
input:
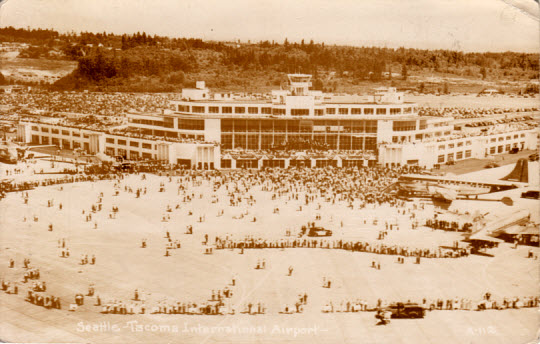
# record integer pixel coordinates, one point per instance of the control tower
(299, 84)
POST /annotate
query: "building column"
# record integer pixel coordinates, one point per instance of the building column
(24, 133)
(93, 143)
(162, 152)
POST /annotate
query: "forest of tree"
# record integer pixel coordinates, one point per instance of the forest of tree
(105, 58)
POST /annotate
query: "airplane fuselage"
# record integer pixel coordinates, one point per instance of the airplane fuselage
(448, 188)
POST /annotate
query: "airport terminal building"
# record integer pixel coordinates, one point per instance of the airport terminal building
(290, 127)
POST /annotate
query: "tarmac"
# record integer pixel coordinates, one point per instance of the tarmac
(189, 275)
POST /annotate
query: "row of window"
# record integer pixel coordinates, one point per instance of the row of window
(57, 131)
(252, 110)
(226, 109)
(166, 123)
(268, 141)
(492, 150)
(186, 124)
(456, 156)
(55, 141)
(404, 125)
(75, 144)
(505, 148)
(452, 145)
(299, 112)
(132, 155)
(251, 163)
(191, 124)
(122, 142)
(468, 143)
(297, 126)
(171, 134)
(509, 137)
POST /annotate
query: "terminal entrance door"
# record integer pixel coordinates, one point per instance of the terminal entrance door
(273, 163)
(247, 163)
(300, 163)
(184, 163)
(325, 163)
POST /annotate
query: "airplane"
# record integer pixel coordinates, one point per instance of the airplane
(451, 188)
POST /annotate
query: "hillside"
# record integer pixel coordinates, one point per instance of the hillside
(151, 63)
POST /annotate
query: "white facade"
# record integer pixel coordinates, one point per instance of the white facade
(192, 154)
(430, 153)
(380, 128)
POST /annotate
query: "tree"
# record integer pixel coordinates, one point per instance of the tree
(317, 84)
(483, 72)
(124, 42)
(531, 89)
(404, 71)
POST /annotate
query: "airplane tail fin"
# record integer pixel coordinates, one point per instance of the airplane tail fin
(520, 173)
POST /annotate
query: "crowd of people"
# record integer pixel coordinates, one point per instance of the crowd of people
(95, 103)
(309, 153)
(330, 184)
(9, 287)
(357, 188)
(16, 186)
(485, 303)
(35, 290)
(448, 225)
(462, 112)
(214, 306)
(115, 103)
(43, 300)
(353, 246)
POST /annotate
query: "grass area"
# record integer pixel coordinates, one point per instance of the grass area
(39, 64)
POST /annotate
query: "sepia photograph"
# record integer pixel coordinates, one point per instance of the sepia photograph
(270, 171)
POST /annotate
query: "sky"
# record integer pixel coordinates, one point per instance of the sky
(465, 25)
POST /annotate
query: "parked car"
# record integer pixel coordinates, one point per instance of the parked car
(406, 310)
(514, 150)
(531, 194)
(319, 232)
(491, 165)
(533, 157)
